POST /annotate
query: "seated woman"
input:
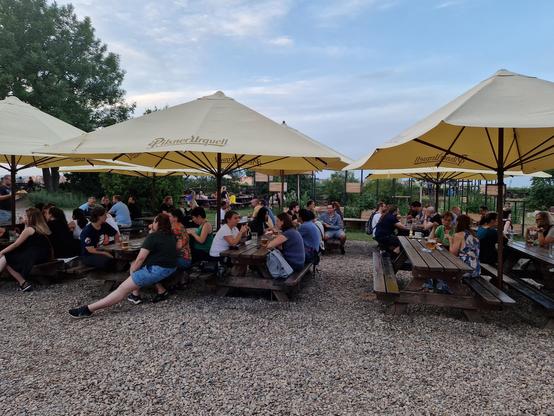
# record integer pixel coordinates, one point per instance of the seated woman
(259, 223)
(384, 232)
(61, 236)
(157, 260)
(487, 234)
(31, 247)
(311, 235)
(90, 239)
(184, 258)
(202, 236)
(228, 235)
(465, 245)
(290, 242)
(78, 223)
(545, 231)
(444, 230)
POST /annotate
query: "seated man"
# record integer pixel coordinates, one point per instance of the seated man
(88, 206)
(121, 212)
(431, 220)
(333, 225)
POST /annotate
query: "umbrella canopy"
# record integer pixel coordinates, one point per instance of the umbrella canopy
(504, 123)
(441, 174)
(508, 110)
(215, 134)
(130, 170)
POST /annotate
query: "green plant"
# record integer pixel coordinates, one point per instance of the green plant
(61, 199)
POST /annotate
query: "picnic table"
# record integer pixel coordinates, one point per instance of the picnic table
(538, 255)
(249, 271)
(123, 256)
(469, 294)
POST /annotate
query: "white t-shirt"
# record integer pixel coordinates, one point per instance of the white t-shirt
(375, 220)
(220, 244)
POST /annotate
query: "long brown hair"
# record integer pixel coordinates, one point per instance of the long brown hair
(36, 220)
(463, 223)
(285, 219)
(164, 225)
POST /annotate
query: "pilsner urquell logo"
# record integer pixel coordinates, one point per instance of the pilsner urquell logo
(449, 159)
(163, 142)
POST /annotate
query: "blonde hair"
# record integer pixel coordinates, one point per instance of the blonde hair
(36, 220)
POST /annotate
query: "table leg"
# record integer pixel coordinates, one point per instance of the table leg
(280, 295)
(473, 315)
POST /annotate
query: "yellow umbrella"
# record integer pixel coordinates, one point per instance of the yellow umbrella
(214, 134)
(133, 170)
(24, 131)
(504, 123)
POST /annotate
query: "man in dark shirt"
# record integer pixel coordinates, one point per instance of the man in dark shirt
(6, 200)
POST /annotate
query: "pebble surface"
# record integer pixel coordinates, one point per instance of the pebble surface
(331, 351)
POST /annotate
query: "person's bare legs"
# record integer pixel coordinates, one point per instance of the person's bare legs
(160, 288)
(17, 276)
(116, 296)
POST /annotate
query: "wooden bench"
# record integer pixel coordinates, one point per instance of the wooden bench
(489, 293)
(385, 284)
(279, 288)
(354, 223)
(44, 273)
(530, 292)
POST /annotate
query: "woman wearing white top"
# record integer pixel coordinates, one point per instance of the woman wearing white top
(78, 223)
(228, 235)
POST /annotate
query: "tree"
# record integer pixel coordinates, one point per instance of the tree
(52, 60)
(542, 192)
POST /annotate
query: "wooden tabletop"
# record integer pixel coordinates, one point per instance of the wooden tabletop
(434, 262)
(536, 252)
(247, 252)
(134, 246)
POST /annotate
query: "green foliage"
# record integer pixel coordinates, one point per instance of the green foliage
(83, 183)
(542, 192)
(333, 189)
(149, 193)
(61, 199)
(52, 60)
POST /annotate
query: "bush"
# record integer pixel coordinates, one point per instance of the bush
(62, 199)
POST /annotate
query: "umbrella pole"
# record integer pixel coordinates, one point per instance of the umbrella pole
(13, 170)
(153, 193)
(499, 207)
(437, 189)
(218, 177)
(298, 188)
(281, 199)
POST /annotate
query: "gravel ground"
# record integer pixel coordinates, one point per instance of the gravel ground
(331, 351)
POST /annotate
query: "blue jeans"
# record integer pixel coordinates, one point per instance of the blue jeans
(5, 217)
(150, 275)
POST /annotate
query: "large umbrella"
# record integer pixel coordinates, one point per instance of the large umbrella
(215, 134)
(24, 131)
(504, 123)
(133, 170)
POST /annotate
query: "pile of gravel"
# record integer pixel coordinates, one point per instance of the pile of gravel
(330, 351)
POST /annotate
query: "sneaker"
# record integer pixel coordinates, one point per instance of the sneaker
(135, 300)
(342, 250)
(26, 287)
(80, 312)
(161, 297)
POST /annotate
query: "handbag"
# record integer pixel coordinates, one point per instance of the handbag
(277, 265)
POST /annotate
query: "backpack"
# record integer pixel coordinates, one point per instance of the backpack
(277, 265)
(368, 228)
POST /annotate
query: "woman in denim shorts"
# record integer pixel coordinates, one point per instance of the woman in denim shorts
(156, 261)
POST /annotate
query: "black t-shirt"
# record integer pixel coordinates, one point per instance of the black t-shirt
(166, 208)
(135, 211)
(90, 236)
(436, 218)
(292, 215)
(386, 226)
(61, 238)
(162, 248)
(5, 205)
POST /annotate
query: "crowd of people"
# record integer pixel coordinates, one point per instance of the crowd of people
(473, 242)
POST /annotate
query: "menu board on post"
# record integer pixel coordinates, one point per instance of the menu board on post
(276, 187)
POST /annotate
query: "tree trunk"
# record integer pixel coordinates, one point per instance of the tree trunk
(55, 178)
(47, 178)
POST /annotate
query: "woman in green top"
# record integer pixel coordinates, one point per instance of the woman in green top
(201, 237)
(442, 232)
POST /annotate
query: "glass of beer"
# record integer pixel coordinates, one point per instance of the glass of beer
(124, 241)
(431, 243)
(264, 242)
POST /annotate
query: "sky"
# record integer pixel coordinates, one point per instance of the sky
(351, 74)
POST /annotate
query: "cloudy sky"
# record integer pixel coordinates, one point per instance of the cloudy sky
(349, 73)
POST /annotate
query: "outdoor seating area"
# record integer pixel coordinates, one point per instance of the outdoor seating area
(326, 236)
